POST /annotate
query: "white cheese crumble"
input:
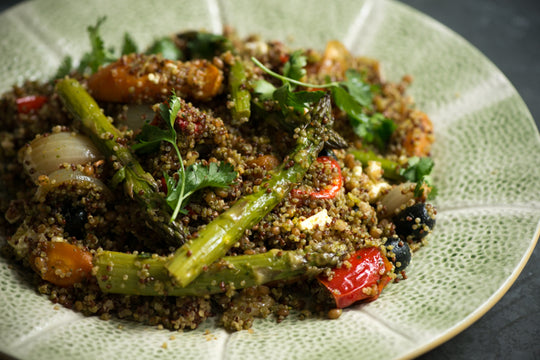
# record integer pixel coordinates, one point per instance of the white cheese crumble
(321, 219)
(374, 170)
(357, 171)
(377, 189)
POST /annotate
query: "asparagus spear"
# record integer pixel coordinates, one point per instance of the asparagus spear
(391, 168)
(145, 274)
(129, 274)
(138, 184)
(240, 95)
(222, 233)
(291, 121)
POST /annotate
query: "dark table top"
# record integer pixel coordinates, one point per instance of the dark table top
(508, 33)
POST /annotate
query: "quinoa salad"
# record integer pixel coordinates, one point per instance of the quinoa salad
(214, 176)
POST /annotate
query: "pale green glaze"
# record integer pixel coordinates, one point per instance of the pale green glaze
(487, 170)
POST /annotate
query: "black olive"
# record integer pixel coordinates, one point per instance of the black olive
(76, 218)
(398, 252)
(415, 222)
(326, 152)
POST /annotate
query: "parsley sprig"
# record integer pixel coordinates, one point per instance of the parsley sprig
(353, 95)
(186, 181)
(286, 96)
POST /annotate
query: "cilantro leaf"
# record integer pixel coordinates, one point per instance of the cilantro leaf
(418, 170)
(379, 130)
(201, 45)
(129, 46)
(346, 102)
(199, 176)
(297, 100)
(151, 136)
(170, 111)
(357, 87)
(65, 67)
(285, 96)
(98, 55)
(375, 129)
(264, 89)
(353, 95)
(185, 181)
(167, 48)
(294, 67)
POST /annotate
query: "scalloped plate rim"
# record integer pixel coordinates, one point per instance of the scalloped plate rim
(495, 297)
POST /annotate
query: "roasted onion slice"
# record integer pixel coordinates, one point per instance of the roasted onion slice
(66, 176)
(49, 153)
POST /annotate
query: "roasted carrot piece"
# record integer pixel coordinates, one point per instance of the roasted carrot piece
(63, 264)
(418, 135)
(336, 59)
(149, 78)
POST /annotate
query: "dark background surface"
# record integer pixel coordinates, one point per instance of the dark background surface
(508, 33)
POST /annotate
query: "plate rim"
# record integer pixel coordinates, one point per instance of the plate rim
(503, 289)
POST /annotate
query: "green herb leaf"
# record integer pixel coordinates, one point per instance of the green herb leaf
(294, 67)
(357, 87)
(297, 100)
(98, 55)
(167, 48)
(379, 130)
(418, 170)
(201, 45)
(346, 102)
(175, 192)
(65, 68)
(264, 89)
(150, 138)
(199, 176)
(185, 181)
(129, 46)
(353, 95)
(170, 112)
(376, 129)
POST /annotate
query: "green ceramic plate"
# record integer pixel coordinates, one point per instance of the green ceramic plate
(487, 170)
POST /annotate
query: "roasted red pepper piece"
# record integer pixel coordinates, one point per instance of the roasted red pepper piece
(363, 280)
(29, 103)
(330, 190)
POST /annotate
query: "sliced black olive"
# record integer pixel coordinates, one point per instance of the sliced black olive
(415, 222)
(398, 252)
(76, 218)
(326, 152)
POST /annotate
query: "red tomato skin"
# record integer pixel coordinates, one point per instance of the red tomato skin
(368, 270)
(29, 103)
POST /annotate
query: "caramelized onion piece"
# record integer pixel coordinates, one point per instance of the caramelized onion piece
(67, 175)
(48, 153)
(398, 198)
